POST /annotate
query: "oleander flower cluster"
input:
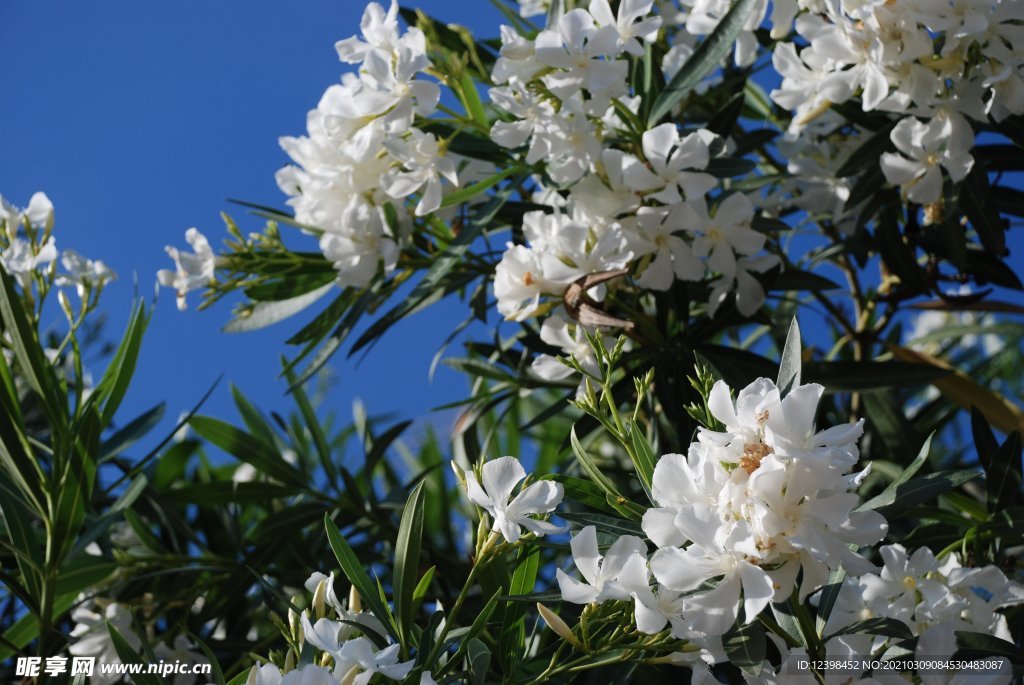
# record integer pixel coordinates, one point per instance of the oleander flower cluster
(344, 636)
(649, 207)
(751, 514)
(362, 150)
(28, 248)
(938, 65)
(934, 599)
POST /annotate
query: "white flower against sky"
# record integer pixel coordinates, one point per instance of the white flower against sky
(499, 478)
(581, 54)
(924, 150)
(380, 32)
(84, 274)
(192, 270)
(601, 573)
(633, 24)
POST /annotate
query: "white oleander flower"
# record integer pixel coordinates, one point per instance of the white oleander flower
(768, 497)
(658, 235)
(310, 674)
(83, 273)
(633, 23)
(192, 271)
(499, 478)
(601, 573)
(925, 149)
(90, 638)
(675, 164)
(725, 234)
(424, 165)
(358, 661)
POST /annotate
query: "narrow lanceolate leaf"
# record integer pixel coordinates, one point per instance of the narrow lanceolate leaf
(407, 560)
(264, 314)
(643, 458)
(112, 387)
(888, 496)
(35, 368)
(1003, 475)
(792, 358)
(512, 643)
(960, 389)
(353, 569)
(469, 192)
(889, 627)
(708, 55)
(925, 489)
(247, 448)
(612, 494)
(130, 656)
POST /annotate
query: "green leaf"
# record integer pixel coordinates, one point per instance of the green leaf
(888, 496)
(746, 646)
(83, 572)
(512, 640)
(112, 387)
(643, 457)
(1003, 476)
(356, 575)
(223, 492)
(479, 658)
(604, 524)
(923, 489)
(853, 376)
(34, 366)
(983, 644)
(268, 313)
(134, 431)
(469, 192)
(977, 202)
(245, 447)
(612, 495)
(579, 490)
(798, 279)
(130, 656)
(433, 287)
(828, 597)
(868, 153)
(791, 360)
(889, 627)
(407, 560)
(727, 167)
(708, 55)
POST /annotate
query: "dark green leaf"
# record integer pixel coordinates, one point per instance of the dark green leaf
(407, 560)
(708, 55)
(746, 646)
(889, 627)
(851, 375)
(245, 447)
(353, 569)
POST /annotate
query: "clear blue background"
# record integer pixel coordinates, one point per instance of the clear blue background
(139, 119)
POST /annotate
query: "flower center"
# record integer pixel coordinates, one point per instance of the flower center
(528, 278)
(753, 453)
(909, 583)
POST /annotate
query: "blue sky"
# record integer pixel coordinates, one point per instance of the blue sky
(139, 119)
